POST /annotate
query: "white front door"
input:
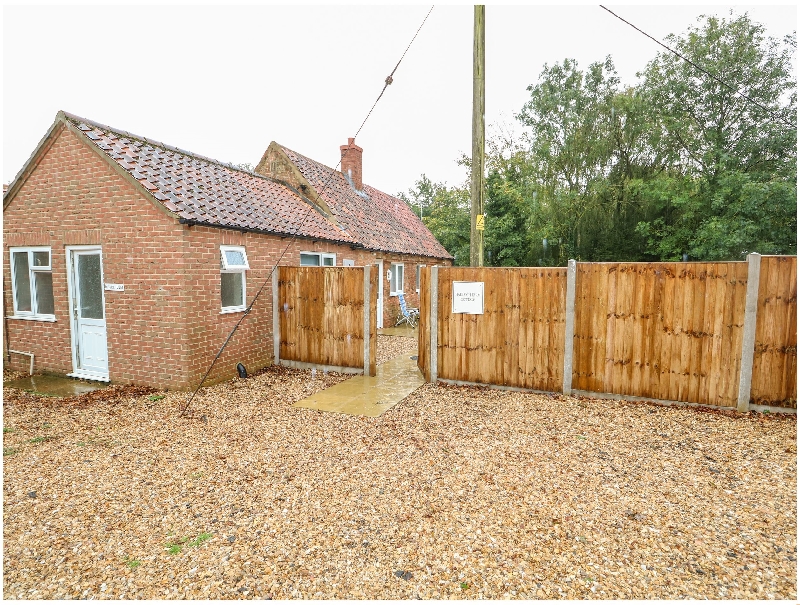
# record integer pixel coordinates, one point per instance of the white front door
(380, 293)
(89, 342)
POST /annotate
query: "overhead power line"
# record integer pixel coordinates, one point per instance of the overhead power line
(697, 67)
(389, 78)
(249, 308)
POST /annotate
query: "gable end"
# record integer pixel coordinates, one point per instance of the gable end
(277, 165)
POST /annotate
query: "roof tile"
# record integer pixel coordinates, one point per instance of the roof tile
(378, 220)
(200, 189)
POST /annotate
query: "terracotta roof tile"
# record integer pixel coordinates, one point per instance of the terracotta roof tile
(200, 189)
(204, 190)
(378, 220)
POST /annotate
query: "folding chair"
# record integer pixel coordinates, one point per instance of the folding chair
(408, 315)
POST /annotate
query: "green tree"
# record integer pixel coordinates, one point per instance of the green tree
(589, 146)
(445, 211)
(568, 117)
(681, 164)
(509, 186)
(736, 143)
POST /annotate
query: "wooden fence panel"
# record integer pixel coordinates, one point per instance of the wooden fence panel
(518, 341)
(424, 348)
(373, 319)
(589, 341)
(665, 331)
(669, 331)
(321, 315)
(775, 357)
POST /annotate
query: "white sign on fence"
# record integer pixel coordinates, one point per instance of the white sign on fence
(468, 297)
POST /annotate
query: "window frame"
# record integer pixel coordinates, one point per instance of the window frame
(419, 273)
(225, 267)
(33, 314)
(321, 256)
(393, 291)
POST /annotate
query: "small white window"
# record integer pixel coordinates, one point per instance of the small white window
(419, 270)
(317, 259)
(32, 282)
(233, 284)
(395, 279)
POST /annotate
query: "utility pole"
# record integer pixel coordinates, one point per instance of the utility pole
(478, 136)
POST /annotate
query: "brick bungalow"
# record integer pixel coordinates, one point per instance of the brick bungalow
(128, 260)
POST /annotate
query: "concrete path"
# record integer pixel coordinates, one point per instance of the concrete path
(403, 330)
(369, 395)
(56, 386)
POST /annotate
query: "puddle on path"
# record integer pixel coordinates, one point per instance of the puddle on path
(58, 386)
(369, 395)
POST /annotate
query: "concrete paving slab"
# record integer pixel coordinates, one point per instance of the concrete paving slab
(57, 386)
(400, 331)
(369, 395)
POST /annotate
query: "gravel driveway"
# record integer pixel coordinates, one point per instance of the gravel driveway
(455, 492)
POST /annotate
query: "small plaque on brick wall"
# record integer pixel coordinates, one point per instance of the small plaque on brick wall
(115, 287)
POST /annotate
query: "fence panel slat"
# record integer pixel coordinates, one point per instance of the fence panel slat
(775, 356)
(711, 336)
(424, 348)
(583, 337)
(510, 331)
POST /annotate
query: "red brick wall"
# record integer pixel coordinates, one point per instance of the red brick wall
(165, 328)
(74, 197)
(252, 343)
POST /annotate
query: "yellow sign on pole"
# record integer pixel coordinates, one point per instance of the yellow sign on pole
(479, 222)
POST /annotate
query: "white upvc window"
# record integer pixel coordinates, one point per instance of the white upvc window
(32, 283)
(395, 279)
(419, 270)
(233, 265)
(317, 259)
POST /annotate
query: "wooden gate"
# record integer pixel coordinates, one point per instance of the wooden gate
(325, 317)
(518, 340)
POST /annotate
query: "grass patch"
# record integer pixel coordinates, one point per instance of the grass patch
(174, 549)
(175, 546)
(39, 439)
(200, 539)
(464, 585)
(7, 429)
(9, 451)
(156, 397)
(132, 563)
(102, 442)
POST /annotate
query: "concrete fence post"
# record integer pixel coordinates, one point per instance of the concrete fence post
(434, 324)
(569, 327)
(276, 322)
(367, 335)
(749, 331)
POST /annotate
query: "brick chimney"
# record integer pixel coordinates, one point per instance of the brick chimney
(351, 162)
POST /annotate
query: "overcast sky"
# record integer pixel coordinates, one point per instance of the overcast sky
(225, 81)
